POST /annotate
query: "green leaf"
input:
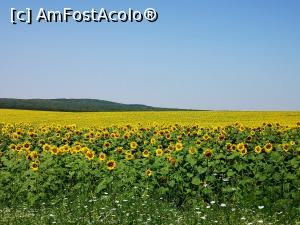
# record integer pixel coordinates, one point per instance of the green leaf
(201, 170)
(290, 176)
(294, 162)
(189, 175)
(196, 181)
(191, 160)
(171, 183)
(230, 173)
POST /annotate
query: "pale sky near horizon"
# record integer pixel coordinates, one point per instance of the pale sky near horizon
(208, 54)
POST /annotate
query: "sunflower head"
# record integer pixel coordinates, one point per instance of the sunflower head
(27, 145)
(33, 155)
(233, 147)
(102, 156)
(178, 146)
(12, 147)
(198, 142)
(285, 147)
(153, 141)
(90, 155)
(146, 153)
(206, 137)
(243, 152)
(168, 136)
(268, 147)
(111, 165)
(76, 148)
(241, 128)
(258, 149)
(119, 149)
(159, 152)
(149, 173)
(208, 153)
(34, 166)
(171, 148)
(106, 144)
(41, 142)
(240, 147)
(192, 150)
(46, 147)
(221, 137)
(133, 145)
(19, 147)
(54, 150)
(228, 146)
(129, 156)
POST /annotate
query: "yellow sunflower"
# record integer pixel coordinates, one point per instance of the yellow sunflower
(146, 153)
(192, 150)
(133, 145)
(129, 156)
(221, 137)
(243, 152)
(233, 147)
(268, 147)
(102, 156)
(149, 172)
(228, 146)
(41, 142)
(111, 165)
(90, 155)
(198, 142)
(240, 147)
(285, 147)
(34, 166)
(33, 155)
(168, 136)
(27, 145)
(54, 150)
(178, 146)
(46, 147)
(159, 152)
(153, 141)
(206, 137)
(258, 149)
(12, 147)
(208, 153)
(119, 149)
(106, 144)
(241, 128)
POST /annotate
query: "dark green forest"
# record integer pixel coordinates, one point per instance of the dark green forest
(74, 105)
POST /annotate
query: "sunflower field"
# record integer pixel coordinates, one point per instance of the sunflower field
(175, 167)
(183, 164)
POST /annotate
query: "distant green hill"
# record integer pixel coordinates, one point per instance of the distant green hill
(74, 105)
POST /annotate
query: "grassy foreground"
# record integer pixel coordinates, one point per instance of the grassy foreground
(122, 209)
(100, 119)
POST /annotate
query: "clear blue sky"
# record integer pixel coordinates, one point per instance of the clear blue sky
(202, 54)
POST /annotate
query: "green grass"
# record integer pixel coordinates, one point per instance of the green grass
(112, 209)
